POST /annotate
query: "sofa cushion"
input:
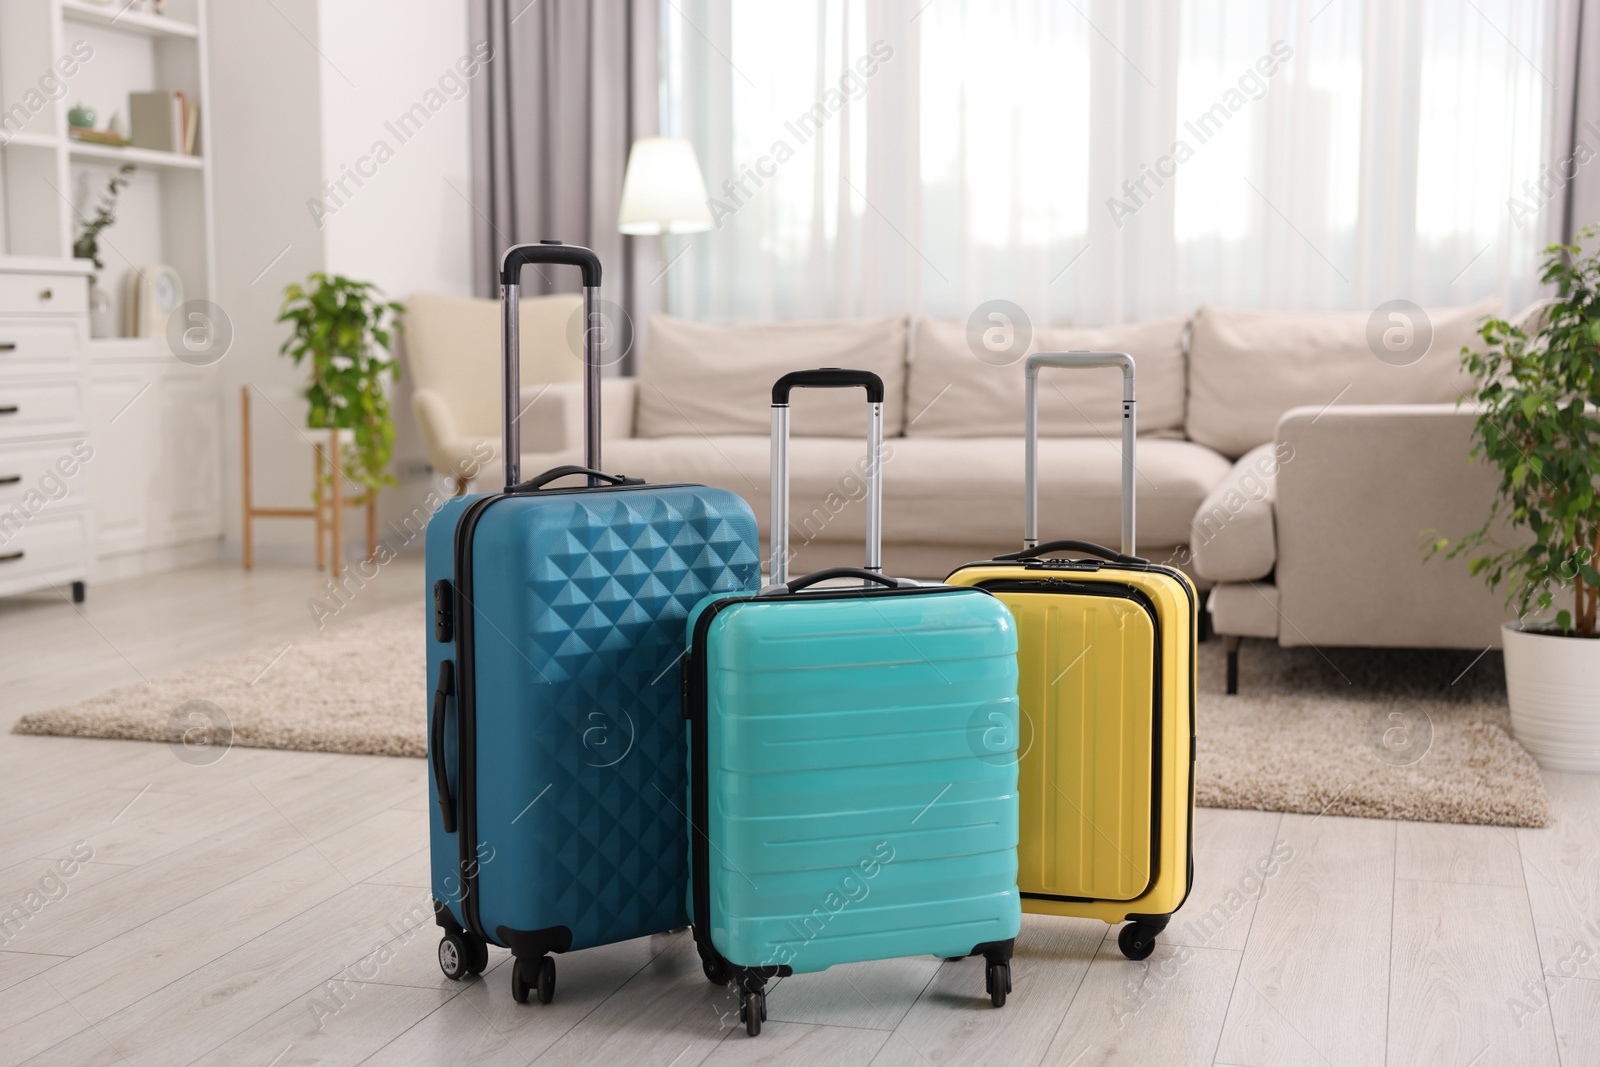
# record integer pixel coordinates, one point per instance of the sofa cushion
(698, 379)
(1232, 537)
(950, 392)
(1244, 609)
(938, 490)
(1246, 368)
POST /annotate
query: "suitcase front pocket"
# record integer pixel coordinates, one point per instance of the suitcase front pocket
(1088, 773)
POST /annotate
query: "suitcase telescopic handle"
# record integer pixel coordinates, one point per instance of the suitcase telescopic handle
(1030, 486)
(547, 252)
(826, 378)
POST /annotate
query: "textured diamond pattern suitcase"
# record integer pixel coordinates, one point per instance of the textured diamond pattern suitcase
(841, 810)
(1107, 660)
(556, 731)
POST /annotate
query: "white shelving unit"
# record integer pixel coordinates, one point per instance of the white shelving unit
(115, 15)
(155, 422)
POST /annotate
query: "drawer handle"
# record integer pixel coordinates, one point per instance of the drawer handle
(8, 409)
(10, 479)
(8, 346)
(47, 294)
(12, 557)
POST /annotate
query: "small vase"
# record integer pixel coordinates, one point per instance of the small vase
(102, 323)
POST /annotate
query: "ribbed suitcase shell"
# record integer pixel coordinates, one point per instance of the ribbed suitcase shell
(1107, 763)
(578, 605)
(849, 815)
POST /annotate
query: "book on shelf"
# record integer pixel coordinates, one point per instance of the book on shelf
(105, 137)
(164, 122)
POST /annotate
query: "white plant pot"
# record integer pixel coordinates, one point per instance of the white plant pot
(1554, 687)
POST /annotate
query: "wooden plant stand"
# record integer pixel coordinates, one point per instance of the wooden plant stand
(328, 507)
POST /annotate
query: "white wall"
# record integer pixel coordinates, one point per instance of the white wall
(305, 91)
(398, 213)
(267, 160)
(404, 227)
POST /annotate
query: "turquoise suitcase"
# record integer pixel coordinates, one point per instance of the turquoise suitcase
(852, 762)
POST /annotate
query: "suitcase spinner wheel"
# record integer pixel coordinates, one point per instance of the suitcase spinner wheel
(753, 1011)
(530, 976)
(997, 981)
(1137, 940)
(462, 954)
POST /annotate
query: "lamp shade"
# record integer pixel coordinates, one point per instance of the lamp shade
(663, 192)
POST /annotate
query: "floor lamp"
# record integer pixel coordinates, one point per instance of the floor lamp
(662, 193)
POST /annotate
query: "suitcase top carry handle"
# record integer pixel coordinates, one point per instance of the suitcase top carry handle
(1030, 489)
(830, 573)
(1090, 547)
(825, 378)
(511, 264)
(557, 473)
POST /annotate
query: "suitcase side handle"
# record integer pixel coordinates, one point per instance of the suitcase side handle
(1030, 491)
(516, 257)
(1090, 547)
(826, 378)
(441, 777)
(830, 573)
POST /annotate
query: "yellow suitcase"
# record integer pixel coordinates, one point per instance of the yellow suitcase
(1106, 663)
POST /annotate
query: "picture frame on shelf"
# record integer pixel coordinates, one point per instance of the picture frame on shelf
(153, 294)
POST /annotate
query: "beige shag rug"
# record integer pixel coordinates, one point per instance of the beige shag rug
(1421, 736)
(357, 686)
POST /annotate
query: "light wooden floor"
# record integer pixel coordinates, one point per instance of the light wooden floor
(271, 908)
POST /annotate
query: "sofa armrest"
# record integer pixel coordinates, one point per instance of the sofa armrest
(1360, 491)
(1232, 537)
(552, 415)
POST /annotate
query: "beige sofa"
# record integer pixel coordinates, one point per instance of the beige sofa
(1281, 463)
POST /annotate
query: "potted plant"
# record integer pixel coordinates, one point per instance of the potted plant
(87, 246)
(345, 328)
(1539, 391)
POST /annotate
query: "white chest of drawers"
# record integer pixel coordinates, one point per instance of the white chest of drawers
(46, 521)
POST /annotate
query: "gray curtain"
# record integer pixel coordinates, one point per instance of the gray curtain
(1575, 148)
(572, 84)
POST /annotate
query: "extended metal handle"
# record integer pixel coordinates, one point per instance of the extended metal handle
(517, 257)
(1030, 486)
(826, 378)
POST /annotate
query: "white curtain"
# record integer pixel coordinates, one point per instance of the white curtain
(1096, 161)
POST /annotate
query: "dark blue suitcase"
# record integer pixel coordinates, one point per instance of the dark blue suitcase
(556, 733)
